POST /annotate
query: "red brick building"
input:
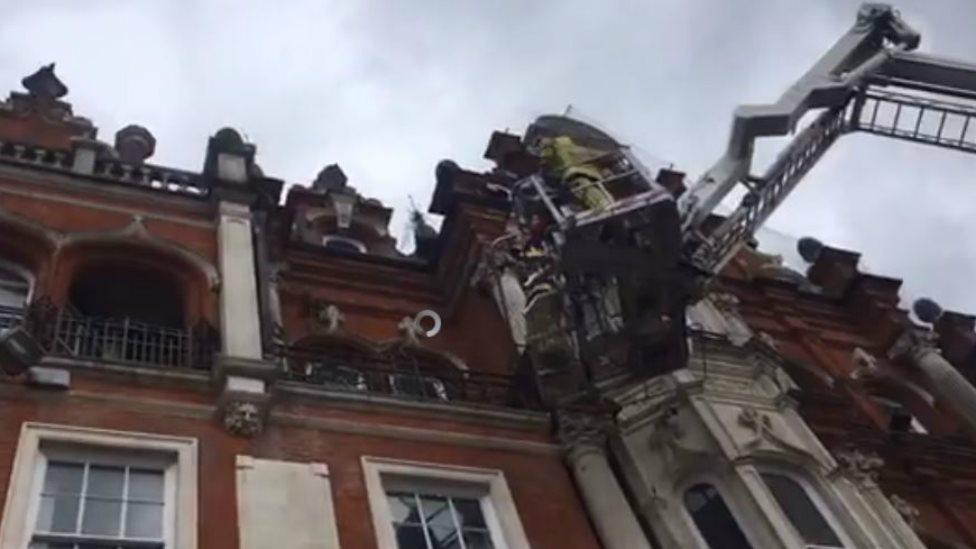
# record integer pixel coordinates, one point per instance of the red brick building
(227, 363)
(223, 371)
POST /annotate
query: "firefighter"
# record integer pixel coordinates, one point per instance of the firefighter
(573, 167)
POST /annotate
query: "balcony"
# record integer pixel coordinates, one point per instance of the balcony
(66, 333)
(404, 376)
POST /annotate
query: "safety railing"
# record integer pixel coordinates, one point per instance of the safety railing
(404, 377)
(65, 333)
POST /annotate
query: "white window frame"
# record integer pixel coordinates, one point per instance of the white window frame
(488, 485)
(39, 442)
(24, 273)
(818, 501)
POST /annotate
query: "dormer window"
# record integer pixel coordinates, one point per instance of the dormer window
(343, 244)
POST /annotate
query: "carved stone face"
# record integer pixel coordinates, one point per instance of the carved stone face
(243, 418)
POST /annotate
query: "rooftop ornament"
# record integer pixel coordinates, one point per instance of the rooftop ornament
(927, 310)
(44, 84)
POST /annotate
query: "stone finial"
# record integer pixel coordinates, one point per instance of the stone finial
(927, 310)
(809, 248)
(134, 144)
(331, 178)
(865, 364)
(908, 512)
(860, 467)
(243, 418)
(44, 84)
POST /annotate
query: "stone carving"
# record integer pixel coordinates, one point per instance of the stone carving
(332, 318)
(914, 343)
(764, 430)
(767, 340)
(760, 423)
(907, 511)
(667, 435)
(865, 364)
(725, 302)
(578, 429)
(242, 418)
(860, 467)
(410, 330)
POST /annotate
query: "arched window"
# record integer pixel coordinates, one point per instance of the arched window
(343, 244)
(137, 292)
(803, 513)
(713, 518)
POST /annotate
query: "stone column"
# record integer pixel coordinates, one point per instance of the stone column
(942, 379)
(584, 437)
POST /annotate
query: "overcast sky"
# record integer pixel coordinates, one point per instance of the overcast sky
(387, 89)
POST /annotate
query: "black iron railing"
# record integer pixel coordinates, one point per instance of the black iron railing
(404, 376)
(63, 332)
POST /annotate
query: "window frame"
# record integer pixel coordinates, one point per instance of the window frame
(37, 444)
(488, 485)
(813, 492)
(326, 239)
(729, 503)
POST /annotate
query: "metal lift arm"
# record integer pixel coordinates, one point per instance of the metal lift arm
(847, 83)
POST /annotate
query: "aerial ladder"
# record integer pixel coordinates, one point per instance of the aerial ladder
(624, 231)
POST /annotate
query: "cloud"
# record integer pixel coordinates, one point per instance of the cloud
(387, 89)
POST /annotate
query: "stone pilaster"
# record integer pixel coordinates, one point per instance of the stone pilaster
(584, 439)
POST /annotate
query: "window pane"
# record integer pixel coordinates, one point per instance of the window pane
(469, 511)
(444, 538)
(50, 545)
(105, 482)
(58, 514)
(477, 540)
(403, 507)
(437, 512)
(63, 478)
(714, 520)
(146, 485)
(801, 511)
(144, 520)
(101, 517)
(410, 537)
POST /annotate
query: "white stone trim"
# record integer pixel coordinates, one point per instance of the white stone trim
(500, 512)
(20, 506)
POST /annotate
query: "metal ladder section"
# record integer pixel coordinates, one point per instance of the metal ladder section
(914, 118)
(769, 191)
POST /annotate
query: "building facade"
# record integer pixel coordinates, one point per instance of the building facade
(226, 362)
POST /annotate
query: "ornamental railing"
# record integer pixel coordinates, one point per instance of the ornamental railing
(404, 376)
(64, 332)
(145, 176)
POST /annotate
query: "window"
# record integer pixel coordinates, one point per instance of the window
(77, 488)
(102, 500)
(428, 506)
(805, 515)
(715, 523)
(415, 385)
(432, 521)
(343, 244)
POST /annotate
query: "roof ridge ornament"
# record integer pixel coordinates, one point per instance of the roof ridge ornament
(44, 84)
